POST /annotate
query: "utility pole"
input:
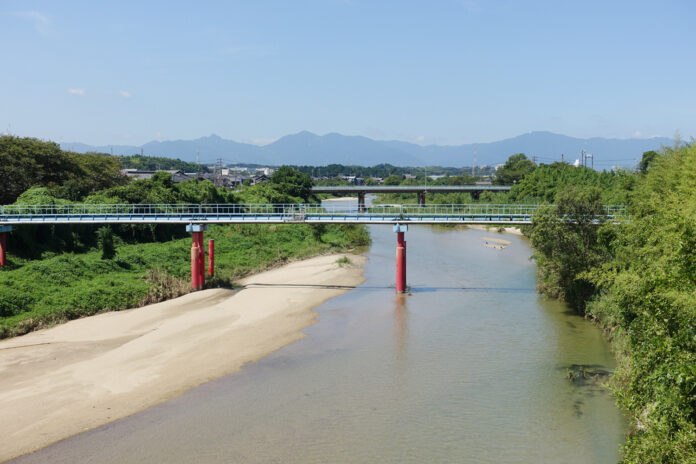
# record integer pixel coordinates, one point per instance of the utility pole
(473, 168)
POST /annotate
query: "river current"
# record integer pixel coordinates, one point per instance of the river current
(470, 367)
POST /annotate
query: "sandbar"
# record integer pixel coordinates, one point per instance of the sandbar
(61, 381)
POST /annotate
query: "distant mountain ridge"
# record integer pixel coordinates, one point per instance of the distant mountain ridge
(306, 148)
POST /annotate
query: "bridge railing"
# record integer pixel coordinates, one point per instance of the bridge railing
(285, 211)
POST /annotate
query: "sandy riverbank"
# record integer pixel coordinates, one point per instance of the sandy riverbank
(62, 381)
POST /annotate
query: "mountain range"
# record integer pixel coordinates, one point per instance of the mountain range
(306, 148)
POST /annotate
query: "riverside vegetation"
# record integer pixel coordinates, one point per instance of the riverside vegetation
(57, 273)
(637, 279)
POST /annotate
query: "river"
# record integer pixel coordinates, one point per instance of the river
(470, 367)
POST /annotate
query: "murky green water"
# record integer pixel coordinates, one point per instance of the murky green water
(471, 368)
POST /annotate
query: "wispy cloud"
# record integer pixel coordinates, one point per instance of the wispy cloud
(125, 93)
(40, 21)
(79, 92)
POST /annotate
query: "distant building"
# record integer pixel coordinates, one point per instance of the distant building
(177, 175)
(259, 179)
(353, 180)
(265, 171)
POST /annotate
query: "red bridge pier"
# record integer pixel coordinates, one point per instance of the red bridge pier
(400, 229)
(3, 244)
(197, 255)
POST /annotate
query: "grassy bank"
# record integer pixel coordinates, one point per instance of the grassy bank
(37, 293)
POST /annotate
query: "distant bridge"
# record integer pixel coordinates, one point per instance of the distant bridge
(421, 190)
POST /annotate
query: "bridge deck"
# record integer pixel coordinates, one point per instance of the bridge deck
(274, 213)
(409, 188)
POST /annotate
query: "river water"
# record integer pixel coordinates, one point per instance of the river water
(470, 367)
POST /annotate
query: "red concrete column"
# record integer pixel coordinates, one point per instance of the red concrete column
(3, 248)
(198, 238)
(195, 266)
(197, 255)
(211, 257)
(400, 263)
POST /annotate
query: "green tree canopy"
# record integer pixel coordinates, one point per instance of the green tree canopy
(294, 183)
(28, 162)
(648, 158)
(514, 170)
(393, 179)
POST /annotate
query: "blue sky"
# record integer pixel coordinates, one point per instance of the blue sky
(444, 72)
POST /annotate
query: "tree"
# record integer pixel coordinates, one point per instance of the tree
(514, 170)
(393, 179)
(291, 182)
(648, 158)
(565, 239)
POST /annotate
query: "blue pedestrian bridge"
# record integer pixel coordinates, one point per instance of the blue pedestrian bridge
(477, 213)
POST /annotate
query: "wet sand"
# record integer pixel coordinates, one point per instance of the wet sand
(58, 382)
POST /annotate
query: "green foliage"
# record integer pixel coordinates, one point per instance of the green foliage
(156, 163)
(293, 183)
(564, 237)
(544, 183)
(462, 179)
(393, 180)
(514, 170)
(334, 181)
(648, 298)
(648, 158)
(28, 162)
(265, 192)
(106, 242)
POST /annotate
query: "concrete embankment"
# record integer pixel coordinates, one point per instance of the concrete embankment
(62, 381)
